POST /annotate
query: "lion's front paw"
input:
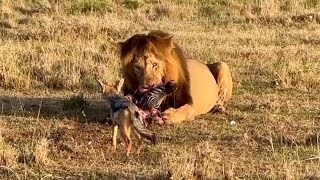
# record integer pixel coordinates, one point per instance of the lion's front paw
(172, 115)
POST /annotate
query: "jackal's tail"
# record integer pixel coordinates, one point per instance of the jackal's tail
(138, 124)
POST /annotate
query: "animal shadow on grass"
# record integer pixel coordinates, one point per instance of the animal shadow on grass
(75, 107)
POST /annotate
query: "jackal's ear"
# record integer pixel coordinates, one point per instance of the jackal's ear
(102, 85)
(120, 84)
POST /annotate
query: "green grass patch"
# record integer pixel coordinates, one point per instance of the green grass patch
(86, 6)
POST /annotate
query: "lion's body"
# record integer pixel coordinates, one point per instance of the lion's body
(154, 59)
(203, 87)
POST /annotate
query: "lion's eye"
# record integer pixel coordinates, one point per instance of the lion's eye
(154, 65)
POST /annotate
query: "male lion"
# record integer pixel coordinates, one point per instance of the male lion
(155, 58)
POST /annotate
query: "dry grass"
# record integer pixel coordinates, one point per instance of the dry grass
(51, 52)
(8, 154)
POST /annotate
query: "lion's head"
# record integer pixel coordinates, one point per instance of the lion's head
(153, 59)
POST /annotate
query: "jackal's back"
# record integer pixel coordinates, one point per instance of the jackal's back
(118, 102)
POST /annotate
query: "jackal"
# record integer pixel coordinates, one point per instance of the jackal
(124, 115)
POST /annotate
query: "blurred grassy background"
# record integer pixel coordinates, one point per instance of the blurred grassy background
(50, 49)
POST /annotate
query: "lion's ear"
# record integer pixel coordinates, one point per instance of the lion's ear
(124, 49)
(168, 36)
(163, 37)
(169, 41)
(119, 46)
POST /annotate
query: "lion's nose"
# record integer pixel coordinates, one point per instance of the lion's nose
(147, 86)
(144, 88)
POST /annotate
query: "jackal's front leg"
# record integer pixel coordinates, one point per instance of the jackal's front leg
(114, 137)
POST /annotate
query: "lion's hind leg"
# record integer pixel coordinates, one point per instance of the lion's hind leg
(222, 75)
(219, 106)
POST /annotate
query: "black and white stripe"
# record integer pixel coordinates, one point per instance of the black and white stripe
(154, 97)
